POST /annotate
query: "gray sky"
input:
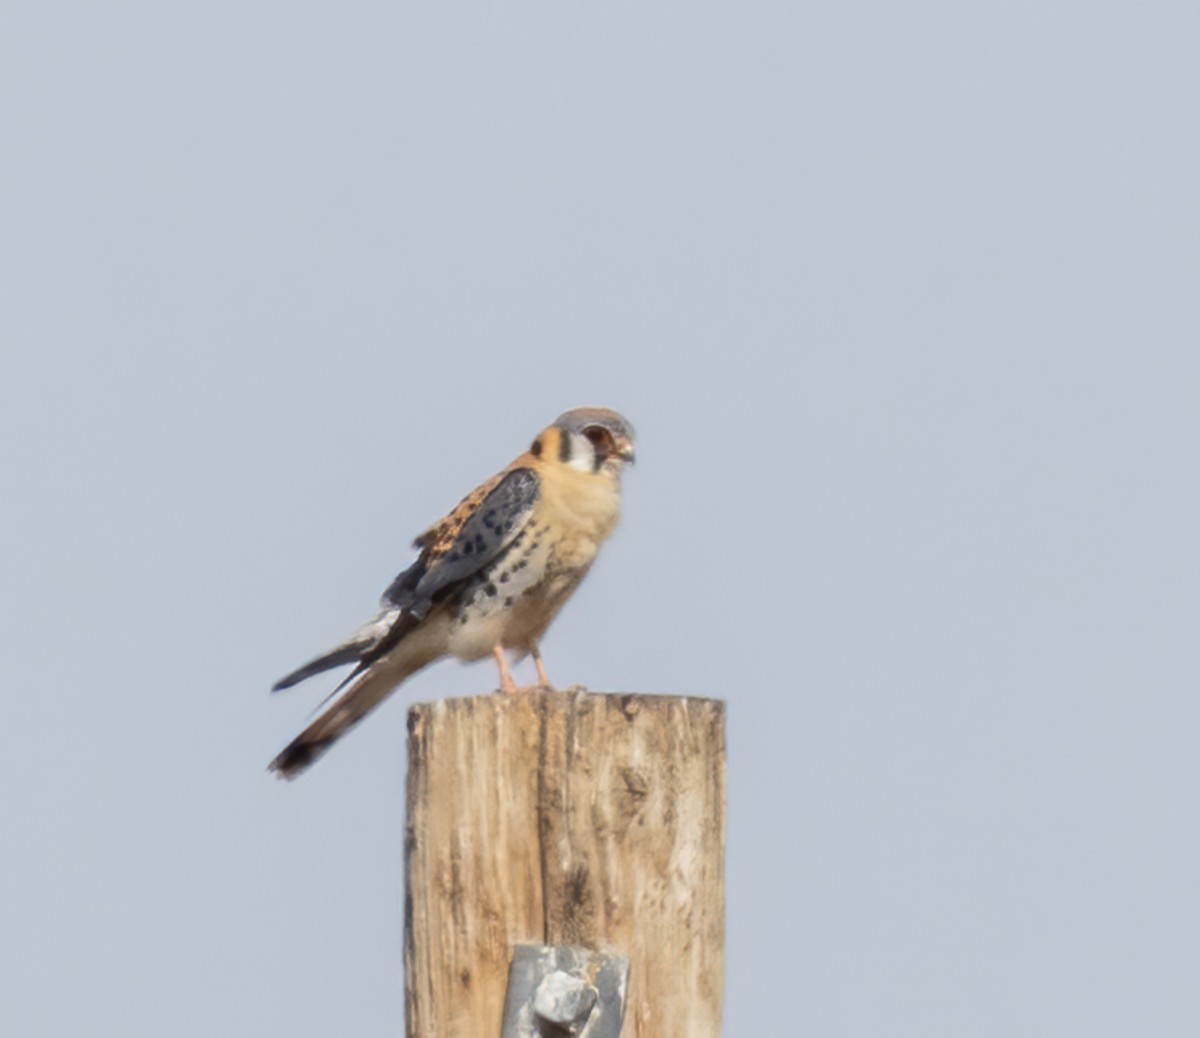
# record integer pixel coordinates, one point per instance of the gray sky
(903, 302)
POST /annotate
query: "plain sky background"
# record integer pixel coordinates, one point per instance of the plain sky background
(903, 301)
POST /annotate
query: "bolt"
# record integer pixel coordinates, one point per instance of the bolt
(565, 1001)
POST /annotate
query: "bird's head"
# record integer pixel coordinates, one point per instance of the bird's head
(590, 439)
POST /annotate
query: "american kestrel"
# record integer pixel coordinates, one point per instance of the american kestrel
(489, 578)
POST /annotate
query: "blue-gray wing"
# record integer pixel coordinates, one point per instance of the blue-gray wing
(477, 532)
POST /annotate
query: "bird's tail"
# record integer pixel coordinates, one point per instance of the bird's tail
(375, 678)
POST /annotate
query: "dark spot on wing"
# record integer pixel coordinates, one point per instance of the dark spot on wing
(473, 536)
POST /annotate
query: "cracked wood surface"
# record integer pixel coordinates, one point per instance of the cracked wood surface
(565, 818)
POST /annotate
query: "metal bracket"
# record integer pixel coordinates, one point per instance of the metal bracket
(560, 991)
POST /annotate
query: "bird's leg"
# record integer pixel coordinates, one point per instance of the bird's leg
(506, 682)
(543, 678)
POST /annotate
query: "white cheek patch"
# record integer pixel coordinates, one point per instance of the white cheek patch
(583, 455)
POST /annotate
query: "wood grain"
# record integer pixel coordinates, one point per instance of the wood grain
(565, 818)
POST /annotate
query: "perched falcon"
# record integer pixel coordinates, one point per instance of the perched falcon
(489, 578)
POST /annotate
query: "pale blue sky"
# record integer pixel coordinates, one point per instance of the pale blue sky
(903, 302)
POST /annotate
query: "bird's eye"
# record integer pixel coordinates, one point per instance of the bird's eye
(600, 438)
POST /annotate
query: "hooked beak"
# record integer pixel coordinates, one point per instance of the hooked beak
(626, 452)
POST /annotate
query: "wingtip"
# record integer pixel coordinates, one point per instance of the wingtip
(350, 652)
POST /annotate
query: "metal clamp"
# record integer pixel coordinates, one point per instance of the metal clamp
(560, 991)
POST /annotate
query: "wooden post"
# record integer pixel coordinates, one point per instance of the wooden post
(565, 818)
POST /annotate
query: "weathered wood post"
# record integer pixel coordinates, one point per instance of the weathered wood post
(565, 818)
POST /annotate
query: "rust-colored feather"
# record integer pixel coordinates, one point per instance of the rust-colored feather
(440, 537)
